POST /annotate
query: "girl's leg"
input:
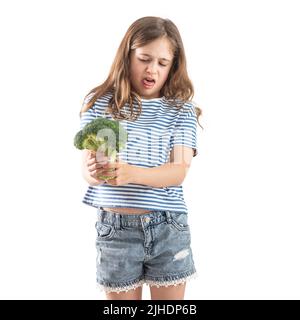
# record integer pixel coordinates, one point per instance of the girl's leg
(135, 294)
(168, 293)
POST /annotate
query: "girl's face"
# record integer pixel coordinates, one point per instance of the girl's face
(150, 66)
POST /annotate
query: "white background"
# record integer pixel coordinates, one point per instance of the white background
(243, 188)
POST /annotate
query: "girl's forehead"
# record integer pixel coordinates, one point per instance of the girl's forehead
(160, 48)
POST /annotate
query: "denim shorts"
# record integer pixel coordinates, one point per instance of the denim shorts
(151, 248)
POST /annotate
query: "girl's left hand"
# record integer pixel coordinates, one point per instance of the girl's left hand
(123, 174)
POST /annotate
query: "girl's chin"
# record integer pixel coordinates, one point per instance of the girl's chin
(149, 94)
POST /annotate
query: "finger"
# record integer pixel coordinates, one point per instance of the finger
(91, 154)
(111, 182)
(95, 174)
(103, 161)
(94, 167)
(112, 165)
(107, 173)
(92, 161)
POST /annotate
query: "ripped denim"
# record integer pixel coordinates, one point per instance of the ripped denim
(151, 248)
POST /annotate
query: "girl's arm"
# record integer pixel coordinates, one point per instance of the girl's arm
(169, 174)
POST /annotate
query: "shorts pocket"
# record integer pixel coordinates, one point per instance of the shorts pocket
(104, 231)
(179, 221)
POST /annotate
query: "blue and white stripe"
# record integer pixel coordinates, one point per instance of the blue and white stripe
(150, 139)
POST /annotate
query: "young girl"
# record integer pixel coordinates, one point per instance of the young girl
(142, 231)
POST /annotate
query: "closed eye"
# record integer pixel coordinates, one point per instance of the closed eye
(143, 60)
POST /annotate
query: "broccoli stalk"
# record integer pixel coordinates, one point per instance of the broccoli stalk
(104, 135)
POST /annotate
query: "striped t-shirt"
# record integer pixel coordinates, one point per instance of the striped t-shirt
(151, 137)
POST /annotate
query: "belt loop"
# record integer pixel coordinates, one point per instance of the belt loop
(99, 215)
(169, 217)
(117, 221)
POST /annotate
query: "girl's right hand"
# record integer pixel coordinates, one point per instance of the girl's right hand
(92, 165)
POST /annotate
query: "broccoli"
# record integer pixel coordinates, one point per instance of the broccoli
(107, 136)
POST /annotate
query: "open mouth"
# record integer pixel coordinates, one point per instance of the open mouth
(148, 82)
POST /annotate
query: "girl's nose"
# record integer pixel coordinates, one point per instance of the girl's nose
(151, 68)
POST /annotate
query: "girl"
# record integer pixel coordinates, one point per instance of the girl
(142, 231)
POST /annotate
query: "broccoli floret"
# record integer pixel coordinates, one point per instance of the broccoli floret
(103, 135)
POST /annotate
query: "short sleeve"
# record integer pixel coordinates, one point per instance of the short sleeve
(185, 132)
(88, 115)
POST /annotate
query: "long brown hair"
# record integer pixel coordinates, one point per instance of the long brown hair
(178, 86)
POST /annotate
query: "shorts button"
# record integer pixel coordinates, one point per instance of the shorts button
(147, 219)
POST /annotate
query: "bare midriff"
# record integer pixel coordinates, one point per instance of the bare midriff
(127, 210)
